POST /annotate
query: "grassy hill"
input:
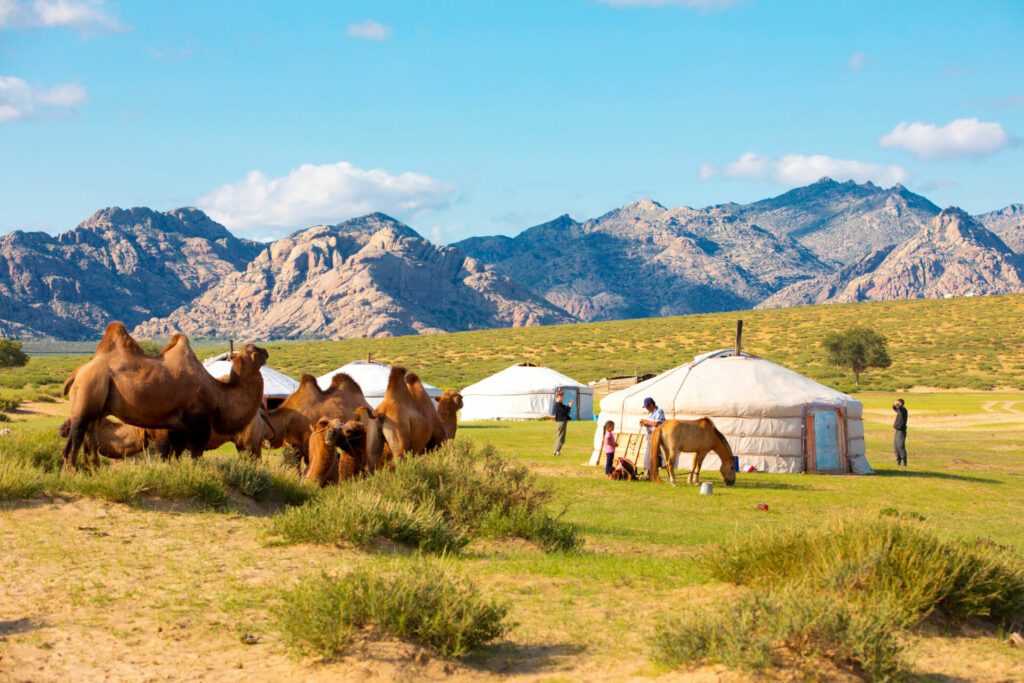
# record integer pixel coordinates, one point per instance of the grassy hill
(974, 343)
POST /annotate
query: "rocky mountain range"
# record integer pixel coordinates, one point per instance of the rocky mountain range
(374, 276)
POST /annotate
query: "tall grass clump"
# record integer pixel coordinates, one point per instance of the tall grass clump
(869, 560)
(260, 480)
(34, 445)
(843, 593)
(436, 502)
(19, 481)
(423, 602)
(127, 482)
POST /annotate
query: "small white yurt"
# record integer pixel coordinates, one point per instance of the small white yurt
(372, 378)
(775, 420)
(524, 392)
(277, 386)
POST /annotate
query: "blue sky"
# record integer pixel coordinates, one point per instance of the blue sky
(480, 117)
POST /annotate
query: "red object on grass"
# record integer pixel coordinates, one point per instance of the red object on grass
(762, 506)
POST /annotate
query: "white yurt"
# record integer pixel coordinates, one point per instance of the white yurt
(372, 378)
(775, 420)
(524, 392)
(277, 386)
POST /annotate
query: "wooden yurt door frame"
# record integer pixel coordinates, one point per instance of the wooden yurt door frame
(810, 451)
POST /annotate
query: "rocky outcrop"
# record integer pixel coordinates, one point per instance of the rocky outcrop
(954, 255)
(368, 277)
(841, 222)
(119, 264)
(1008, 223)
(646, 260)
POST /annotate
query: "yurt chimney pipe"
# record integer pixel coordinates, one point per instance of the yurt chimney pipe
(231, 348)
(739, 336)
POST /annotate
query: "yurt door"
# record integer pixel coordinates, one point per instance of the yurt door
(826, 442)
(572, 394)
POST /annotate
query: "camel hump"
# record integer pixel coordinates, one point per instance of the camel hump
(176, 338)
(341, 380)
(116, 337)
(412, 378)
(396, 379)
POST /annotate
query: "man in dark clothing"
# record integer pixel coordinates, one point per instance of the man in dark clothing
(900, 432)
(561, 420)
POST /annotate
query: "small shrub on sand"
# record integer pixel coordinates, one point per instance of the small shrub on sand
(903, 564)
(126, 482)
(422, 602)
(260, 480)
(763, 630)
(435, 502)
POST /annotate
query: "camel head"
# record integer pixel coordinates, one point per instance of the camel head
(373, 425)
(332, 431)
(249, 360)
(452, 398)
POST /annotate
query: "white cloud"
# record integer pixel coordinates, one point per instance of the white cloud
(20, 100)
(801, 169)
(82, 15)
(326, 193)
(857, 61)
(960, 138)
(369, 30)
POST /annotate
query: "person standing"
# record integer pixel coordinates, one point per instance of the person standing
(609, 446)
(655, 416)
(562, 418)
(900, 432)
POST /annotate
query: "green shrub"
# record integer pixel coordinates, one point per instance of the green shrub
(260, 480)
(9, 404)
(760, 630)
(422, 602)
(881, 560)
(34, 445)
(126, 482)
(19, 481)
(435, 502)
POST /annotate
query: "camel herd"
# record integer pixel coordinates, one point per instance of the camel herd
(169, 403)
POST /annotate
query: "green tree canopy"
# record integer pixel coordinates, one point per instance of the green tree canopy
(11, 355)
(857, 349)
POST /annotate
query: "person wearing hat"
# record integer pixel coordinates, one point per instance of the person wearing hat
(562, 417)
(655, 416)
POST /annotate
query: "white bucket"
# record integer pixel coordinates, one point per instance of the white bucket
(705, 488)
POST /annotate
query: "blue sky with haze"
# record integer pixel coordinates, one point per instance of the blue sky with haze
(481, 117)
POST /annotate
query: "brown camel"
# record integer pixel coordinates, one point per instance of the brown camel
(111, 439)
(250, 440)
(428, 409)
(448, 406)
(409, 423)
(343, 400)
(170, 391)
(701, 436)
(326, 464)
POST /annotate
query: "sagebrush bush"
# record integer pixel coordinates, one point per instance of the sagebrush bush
(422, 602)
(900, 563)
(435, 502)
(762, 630)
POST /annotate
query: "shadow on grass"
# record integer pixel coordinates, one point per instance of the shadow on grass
(924, 474)
(521, 658)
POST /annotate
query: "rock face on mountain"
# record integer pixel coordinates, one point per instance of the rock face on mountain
(841, 222)
(367, 277)
(645, 260)
(1008, 223)
(954, 255)
(119, 264)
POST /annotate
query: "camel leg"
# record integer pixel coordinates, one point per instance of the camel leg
(76, 436)
(198, 437)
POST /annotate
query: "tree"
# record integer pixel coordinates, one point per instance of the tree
(858, 349)
(11, 355)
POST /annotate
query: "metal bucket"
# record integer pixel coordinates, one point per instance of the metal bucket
(706, 488)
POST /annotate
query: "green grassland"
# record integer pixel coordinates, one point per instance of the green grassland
(572, 614)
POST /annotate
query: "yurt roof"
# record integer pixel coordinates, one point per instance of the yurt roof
(723, 383)
(275, 384)
(523, 379)
(370, 375)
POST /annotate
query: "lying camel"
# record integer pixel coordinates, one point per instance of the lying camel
(111, 439)
(448, 406)
(170, 391)
(701, 436)
(327, 437)
(410, 425)
(343, 400)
